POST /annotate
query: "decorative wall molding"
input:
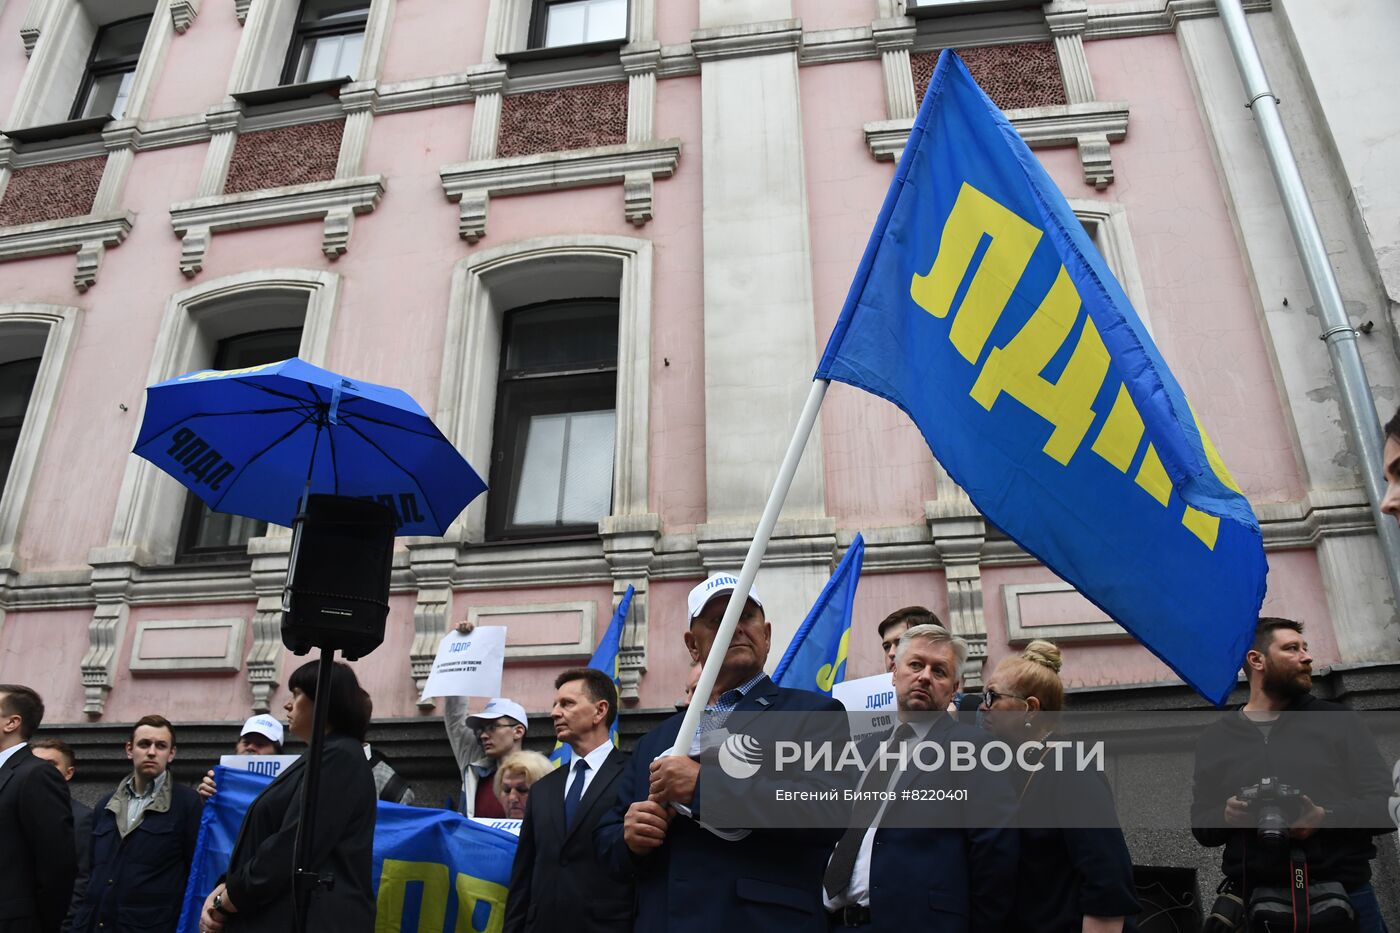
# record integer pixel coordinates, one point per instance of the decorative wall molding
(829, 46)
(581, 646)
(472, 184)
(240, 10)
(89, 236)
(1150, 17)
(336, 202)
(1019, 631)
(32, 25)
(958, 532)
(182, 13)
(268, 573)
(783, 35)
(629, 544)
(431, 562)
(148, 658)
(1089, 126)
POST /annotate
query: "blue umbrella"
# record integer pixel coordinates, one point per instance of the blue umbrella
(256, 441)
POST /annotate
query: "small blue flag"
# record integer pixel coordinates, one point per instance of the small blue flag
(605, 660)
(983, 310)
(816, 657)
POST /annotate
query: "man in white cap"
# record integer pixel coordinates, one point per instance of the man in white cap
(261, 735)
(687, 878)
(480, 741)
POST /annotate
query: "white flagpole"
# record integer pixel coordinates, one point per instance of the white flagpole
(710, 672)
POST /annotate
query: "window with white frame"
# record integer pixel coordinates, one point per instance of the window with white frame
(556, 420)
(560, 23)
(1106, 223)
(89, 61)
(327, 41)
(204, 533)
(111, 68)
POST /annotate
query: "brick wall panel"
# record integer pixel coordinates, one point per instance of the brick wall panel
(567, 118)
(51, 192)
(289, 155)
(1025, 74)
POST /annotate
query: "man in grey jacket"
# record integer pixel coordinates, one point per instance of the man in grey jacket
(480, 741)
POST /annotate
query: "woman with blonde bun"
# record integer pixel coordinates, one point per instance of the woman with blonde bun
(1068, 880)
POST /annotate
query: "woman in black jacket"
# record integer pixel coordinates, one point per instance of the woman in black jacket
(1069, 879)
(256, 894)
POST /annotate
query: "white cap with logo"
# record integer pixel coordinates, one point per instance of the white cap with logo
(496, 709)
(718, 584)
(265, 726)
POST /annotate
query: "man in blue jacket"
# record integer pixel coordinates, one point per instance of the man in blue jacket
(143, 839)
(688, 878)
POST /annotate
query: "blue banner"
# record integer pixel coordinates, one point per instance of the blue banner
(816, 657)
(605, 660)
(983, 310)
(429, 865)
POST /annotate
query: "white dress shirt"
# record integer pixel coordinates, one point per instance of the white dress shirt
(595, 761)
(859, 891)
(5, 755)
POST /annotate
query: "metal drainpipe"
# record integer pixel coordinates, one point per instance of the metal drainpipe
(1357, 405)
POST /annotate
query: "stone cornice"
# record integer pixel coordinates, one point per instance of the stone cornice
(1301, 524)
(88, 235)
(335, 201)
(784, 35)
(1150, 17)
(472, 184)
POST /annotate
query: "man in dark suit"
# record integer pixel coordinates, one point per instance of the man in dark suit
(59, 754)
(689, 878)
(557, 881)
(931, 866)
(37, 855)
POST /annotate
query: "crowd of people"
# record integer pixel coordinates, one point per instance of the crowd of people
(620, 842)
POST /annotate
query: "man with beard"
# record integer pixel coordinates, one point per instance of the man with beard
(1323, 751)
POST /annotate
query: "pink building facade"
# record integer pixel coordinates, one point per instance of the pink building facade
(606, 259)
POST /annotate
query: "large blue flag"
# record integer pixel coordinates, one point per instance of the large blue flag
(982, 309)
(432, 869)
(816, 657)
(605, 660)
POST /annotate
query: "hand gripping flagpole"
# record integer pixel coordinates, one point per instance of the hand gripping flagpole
(710, 672)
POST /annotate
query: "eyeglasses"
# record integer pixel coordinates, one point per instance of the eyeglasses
(488, 726)
(990, 697)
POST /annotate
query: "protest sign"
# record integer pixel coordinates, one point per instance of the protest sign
(870, 703)
(266, 765)
(468, 665)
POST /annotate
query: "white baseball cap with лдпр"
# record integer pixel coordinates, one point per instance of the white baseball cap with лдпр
(495, 710)
(718, 584)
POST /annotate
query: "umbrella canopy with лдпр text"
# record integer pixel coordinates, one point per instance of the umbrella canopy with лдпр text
(255, 441)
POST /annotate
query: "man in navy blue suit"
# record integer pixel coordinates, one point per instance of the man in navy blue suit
(947, 867)
(689, 878)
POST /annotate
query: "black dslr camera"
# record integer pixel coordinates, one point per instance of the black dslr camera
(1276, 804)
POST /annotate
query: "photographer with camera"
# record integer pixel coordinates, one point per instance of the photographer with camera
(1294, 796)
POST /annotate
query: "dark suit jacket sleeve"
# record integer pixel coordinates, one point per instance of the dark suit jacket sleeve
(46, 819)
(522, 871)
(82, 837)
(267, 874)
(1099, 853)
(633, 784)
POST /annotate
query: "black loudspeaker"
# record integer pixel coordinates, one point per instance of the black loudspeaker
(337, 593)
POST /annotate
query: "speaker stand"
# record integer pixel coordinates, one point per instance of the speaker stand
(306, 881)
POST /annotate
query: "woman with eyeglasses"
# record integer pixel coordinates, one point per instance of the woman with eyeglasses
(256, 893)
(515, 775)
(1069, 880)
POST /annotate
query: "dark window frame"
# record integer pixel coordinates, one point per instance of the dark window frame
(301, 33)
(192, 516)
(541, 390)
(539, 10)
(16, 423)
(92, 70)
